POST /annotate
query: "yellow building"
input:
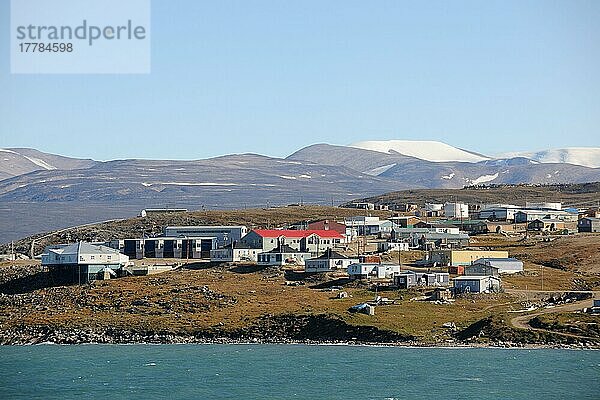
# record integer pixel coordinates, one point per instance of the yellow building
(463, 257)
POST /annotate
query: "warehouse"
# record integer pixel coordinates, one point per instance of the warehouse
(225, 234)
(166, 247)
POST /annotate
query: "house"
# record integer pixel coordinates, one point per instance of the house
(589, 224)
(405, 221)
(369, 225)
(84, 261)
(283, 255)
(408, 279)
(327, 225)
(367, 270)
(311, 241)
(234, 252)
(463, 257)
(361, 206)
(476, 284)
(329, 261)
(383, 247)
(545, 225)
(225, 234)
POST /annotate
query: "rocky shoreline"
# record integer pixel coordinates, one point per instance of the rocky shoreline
(28, 336)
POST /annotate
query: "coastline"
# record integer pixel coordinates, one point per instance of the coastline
(60, 338)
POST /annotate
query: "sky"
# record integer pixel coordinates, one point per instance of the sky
(271, 77)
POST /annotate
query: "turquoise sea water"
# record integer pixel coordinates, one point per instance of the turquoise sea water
(294, 371)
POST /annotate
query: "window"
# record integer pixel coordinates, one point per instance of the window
(92, 257)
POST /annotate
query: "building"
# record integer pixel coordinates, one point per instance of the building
(166, 247)
(329, 261)
(311, 241)
(463, 257)
(476, 284)
(545, 225)
(405, 221)
(498, 212)
(383, 247)
(361, 206)
(327, 225)
(368, 270)
(408, 279)
(481, 269)
(84, 261)
(224, 234)
(364, 225)
(283, 255)
(544, 205)
(456, 210)
(525, 216)
(505, 227)
(588, 224)
(431, 238)
(150, 211)
(235, 253)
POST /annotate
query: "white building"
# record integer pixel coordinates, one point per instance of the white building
(504, 265)
(367, 270)
(283, 255)
(239, 253)
(476, 284)
(456, 210)
(330, 261)
(85, 261)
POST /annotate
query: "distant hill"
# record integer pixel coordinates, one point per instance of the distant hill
(16, 161)
(574, 195)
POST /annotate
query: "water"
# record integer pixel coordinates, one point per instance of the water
(294, 371)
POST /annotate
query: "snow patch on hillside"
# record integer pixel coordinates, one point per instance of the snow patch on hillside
(484, 179)
(448, 176)
(425, 150)
(379, 170)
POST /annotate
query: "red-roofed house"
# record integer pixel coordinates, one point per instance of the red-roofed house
(312, 241)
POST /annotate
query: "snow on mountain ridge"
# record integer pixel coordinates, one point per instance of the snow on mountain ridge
(422, 149)
(585, 156)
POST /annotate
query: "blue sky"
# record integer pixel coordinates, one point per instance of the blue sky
(271, 77)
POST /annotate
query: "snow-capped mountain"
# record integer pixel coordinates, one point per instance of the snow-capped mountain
(422, 149)
(586, 156)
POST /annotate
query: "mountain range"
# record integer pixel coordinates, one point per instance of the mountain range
(36, 187)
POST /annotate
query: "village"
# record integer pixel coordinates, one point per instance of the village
(428, 246)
